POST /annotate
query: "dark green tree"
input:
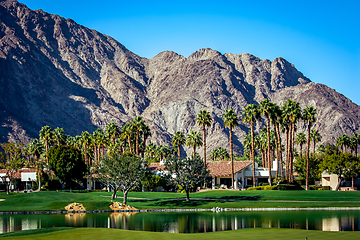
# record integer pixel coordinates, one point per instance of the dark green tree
(68, 164)
(121, 173)
(189, 173)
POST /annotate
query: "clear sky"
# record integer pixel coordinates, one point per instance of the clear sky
(322, 38)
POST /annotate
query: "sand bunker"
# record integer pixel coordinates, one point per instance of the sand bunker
(120, 206)
(75, 207)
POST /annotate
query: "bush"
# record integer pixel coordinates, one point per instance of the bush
(270, 187)
(326, 187)
(289, 187)
(254, 188)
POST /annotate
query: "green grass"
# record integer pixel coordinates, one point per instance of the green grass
(249, 234)
(41, 201)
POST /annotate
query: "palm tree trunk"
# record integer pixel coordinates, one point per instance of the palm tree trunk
(85, 154)
(287, 155)
(129, 141)
(232, 159)
(268, 148)
(252, 152)
(279, 149)
(314, 146)
(179, 150)
(307, 157)
(300, 149)
(95, 153)
(194, 152)
(292, 152)
(137, 142)
(204, 140)
(263, 157)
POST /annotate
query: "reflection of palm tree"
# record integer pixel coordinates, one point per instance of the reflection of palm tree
(250, 115)
(204, 120)
(178, 140)
(309, 117)
(231, 121)
(194, 140)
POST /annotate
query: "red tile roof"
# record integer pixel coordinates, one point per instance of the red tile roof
(223, 168)
(18, 173)
(157, 167)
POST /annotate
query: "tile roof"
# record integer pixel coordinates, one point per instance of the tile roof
(223, 168)
(18, 172)
(157, 167)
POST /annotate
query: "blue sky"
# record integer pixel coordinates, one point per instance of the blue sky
(322, 38)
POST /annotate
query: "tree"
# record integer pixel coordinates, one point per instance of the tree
(250, 115)
(189, 173)
(112, 132)
(315, 137)
(178, 140)
(204, 120)
(12, 162)
(194, 140)
(59, 136)
(265, 108)
(46, 133)
(146, 134)
(276, 119)
(150, 149)
(231, 121)
(137, 124)
(337, 164)
(85, 141)
(354, 142)
(67, 164)
(300, 140)
(309, 117)
(343, 142)
(121, 173)
(127, 133)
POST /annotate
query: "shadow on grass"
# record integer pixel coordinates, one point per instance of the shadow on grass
(180, 203)
(242, 198)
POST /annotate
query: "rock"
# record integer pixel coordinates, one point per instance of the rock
(120, 206)
(61, 74)
(75, 207)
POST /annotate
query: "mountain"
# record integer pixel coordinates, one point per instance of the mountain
(56, 72)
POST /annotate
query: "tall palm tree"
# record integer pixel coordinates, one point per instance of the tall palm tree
(145, 129)
(194, 140)
(204, 120)
(315, 137)
(300, 140)
(85, 141)
(263, 143)
(59, 136)
(275, 116)
(137, 124)
(178, 140)
(250, 115)
(127, 133)
(343, 142)
(309, 117)
(150, 149)
(291, 113)
(354, 142)
(231, 121)
(112, 132)
(265, 108)
(46, 134)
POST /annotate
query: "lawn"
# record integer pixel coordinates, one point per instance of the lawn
(53, 200)
(249, 234)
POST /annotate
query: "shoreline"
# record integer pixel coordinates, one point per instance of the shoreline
(185, 210)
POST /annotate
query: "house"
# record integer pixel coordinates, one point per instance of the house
(22, 179)
(332, 180)
(220, 171)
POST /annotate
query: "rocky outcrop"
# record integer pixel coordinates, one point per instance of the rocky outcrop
(58, 73)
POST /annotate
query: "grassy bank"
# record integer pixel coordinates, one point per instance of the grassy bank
(38, 201)
(249, 234)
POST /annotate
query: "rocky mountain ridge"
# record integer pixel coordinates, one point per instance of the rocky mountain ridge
(58, 73)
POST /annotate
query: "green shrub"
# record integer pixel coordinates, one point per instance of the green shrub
(326, 187)
(254, 188)
(271, 187)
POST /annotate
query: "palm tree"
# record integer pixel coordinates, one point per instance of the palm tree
(315, 137)
(354, 142)
(85, 141)
(275, 116)
(231, 121)
(309, 117)
(112, 132)
(291, 114)
(178, 140)
(343, 142)
(46, 133)
(59, 136)
(127, 133)
(137, 124)
(300, 140)
(194, 140)
(150, 149)
(265, 108)
(204, 120)
(145, 129)
(250, 115)
(262, 139)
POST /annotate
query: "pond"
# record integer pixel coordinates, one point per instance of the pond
(189, 222)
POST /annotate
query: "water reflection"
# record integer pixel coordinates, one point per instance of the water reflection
(190, 222)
